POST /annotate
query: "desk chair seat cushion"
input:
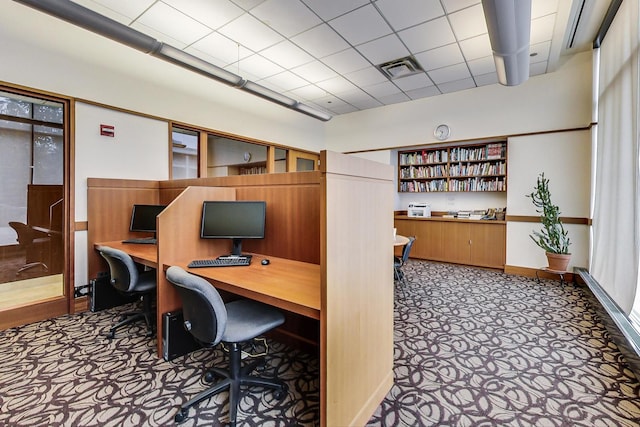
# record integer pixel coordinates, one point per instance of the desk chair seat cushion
(124, 273)
(247, 319)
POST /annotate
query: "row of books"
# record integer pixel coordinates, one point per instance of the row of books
(478, 184)
(424, 186)
(256, 170)
(424, 157)
(423, 172)
(478, 169)
(488, 152)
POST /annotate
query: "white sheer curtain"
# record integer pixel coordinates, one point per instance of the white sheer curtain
(616, 222)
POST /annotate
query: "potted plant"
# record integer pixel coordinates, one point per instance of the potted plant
(553, 238)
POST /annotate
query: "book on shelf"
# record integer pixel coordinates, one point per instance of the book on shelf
(495, 151)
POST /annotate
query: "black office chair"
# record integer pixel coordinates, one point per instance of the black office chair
(211, 321)
(128, 280)
(34, 244)
(398, 262)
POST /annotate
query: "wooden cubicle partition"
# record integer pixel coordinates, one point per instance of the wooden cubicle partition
(293, 210)
(357, 287)
(340, 217)
(109, 204)
(178, 239)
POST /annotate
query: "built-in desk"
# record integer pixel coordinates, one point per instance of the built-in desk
(287, 284)
(142, 254)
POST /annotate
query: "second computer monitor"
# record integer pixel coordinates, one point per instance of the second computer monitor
(143, 217)
(235, 220)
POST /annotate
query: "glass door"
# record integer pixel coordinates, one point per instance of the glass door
(32, 208)
(298, 161)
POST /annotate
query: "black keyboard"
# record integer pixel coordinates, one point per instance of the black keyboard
(142, 241)
(220, 262)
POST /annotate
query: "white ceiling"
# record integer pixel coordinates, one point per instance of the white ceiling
(324, 52)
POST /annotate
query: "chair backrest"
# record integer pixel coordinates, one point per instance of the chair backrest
(25, 233)
(124, 273)
(407, 249)
(203, 309)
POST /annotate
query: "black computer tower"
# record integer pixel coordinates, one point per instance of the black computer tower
(103, 295)
(176, 340)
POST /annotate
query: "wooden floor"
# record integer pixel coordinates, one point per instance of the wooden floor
(22, 292)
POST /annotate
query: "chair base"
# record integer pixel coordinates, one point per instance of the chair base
(128, 318)
(234, 378)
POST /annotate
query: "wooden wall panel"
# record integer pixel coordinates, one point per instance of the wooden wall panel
(109, 204)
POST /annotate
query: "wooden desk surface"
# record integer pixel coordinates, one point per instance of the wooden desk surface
(144, 254)
(287, 284)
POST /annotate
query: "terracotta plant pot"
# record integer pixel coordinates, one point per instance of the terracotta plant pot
(558, 262)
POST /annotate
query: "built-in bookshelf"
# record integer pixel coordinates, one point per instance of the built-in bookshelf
(475, 167)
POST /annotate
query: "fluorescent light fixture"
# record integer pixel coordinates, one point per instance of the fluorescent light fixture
(509, 25)
(267, 93)
(320, 115)
(94, 22)
(99, 24)
(193, 63)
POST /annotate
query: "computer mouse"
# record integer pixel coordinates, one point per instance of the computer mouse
(265, 262)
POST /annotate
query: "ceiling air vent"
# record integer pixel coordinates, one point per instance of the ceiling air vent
(402, 67)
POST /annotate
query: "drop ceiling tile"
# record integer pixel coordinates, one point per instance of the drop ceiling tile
(482, 66)
(486, 79)
(416, 81)
(542, 29)
(287, 54)
(537, 68)
(258, 66)
(381, 89)
(123, 11)
(320, 41)
(212, 14)
(337, 84)
(395, 98)
(541, 51)
(476, 47)
(218, 46)
(423, 92)
(468, 22)
(177, 25)
(541, 8)
(454, 5)
(347, 61)
(365, 103)
(411, 13)
(361, 25)
(366, 77)
(314, 71)
(248, 4)
(285, 16)
(383, 49)
(427, 36)
(251, 33)
(328, 10)
(457, 85)
(440, 57)
(163, 37)
(287, 81)
(343, 109)
(449, 74)
(307, 92)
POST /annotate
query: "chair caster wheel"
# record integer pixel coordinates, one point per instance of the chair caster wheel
(180, 416)
(111, 335)
(209, 377)
(281, 393)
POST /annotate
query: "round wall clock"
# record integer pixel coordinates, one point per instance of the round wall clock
(441, 132)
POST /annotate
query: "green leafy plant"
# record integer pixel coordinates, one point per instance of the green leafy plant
(553, 237)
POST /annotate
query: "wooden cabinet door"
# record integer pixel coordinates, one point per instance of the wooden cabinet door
(455, 242)
(428, 244)
(488, 245)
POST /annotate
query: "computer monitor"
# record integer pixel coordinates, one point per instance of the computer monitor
(235, 220)
(143, 218)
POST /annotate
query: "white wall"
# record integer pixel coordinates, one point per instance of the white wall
(565, 159)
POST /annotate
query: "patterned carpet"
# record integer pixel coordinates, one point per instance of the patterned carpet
(472, 348)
